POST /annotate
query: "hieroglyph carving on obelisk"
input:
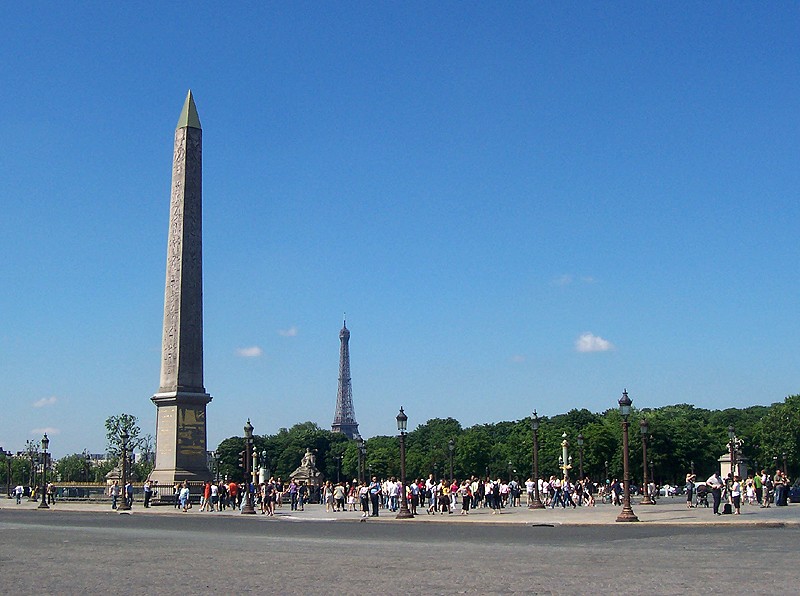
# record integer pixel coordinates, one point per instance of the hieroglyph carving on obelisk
(181, 399)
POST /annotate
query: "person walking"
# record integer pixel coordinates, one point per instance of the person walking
(766, 482)
(466, 497)
(736, 494)
(363, 497)
(148, 493)
(690, 478)
(183, 497)
(114, 492)
(715, 484)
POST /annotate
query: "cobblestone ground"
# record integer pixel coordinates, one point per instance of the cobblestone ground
(70, 553)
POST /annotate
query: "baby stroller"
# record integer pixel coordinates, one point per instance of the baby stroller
(701, 494)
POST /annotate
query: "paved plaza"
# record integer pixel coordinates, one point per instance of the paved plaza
(668, 510)
(82, 548)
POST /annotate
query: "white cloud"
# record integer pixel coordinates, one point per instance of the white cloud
(290, 332)
(45, 401)
(251, 352)
(49, 430)
(568, 279)
(562, 280)
(589, 342)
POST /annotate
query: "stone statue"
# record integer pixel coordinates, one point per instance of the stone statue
(309, 460)
(307, 471)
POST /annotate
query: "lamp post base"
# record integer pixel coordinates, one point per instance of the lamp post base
(536, 504)
(646, 500)
(404, 512)
(627, 515)
(248, 508)
(43, 504)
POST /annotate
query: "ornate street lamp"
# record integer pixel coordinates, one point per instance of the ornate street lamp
(362, 449)
(249, 507)
(362, 458)
(45, 444)
(644, 428)
(88, 462)
(265, 465)
(451, 446)
(626, 515)
(402, 425)
(215, 459)
(536, 503)
(580, 456)
(123, 506)
(565, 460)
(732, 447)
(785, 467)
(8, 455)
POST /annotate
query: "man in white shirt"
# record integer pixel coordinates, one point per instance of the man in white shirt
(529, 486)
(715, 484)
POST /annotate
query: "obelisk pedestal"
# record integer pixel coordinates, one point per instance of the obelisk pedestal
(181, 399)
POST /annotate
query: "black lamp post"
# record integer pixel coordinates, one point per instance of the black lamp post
(732, 448)
(248, 508)
(338, 467)
(626, 515)
(605, 463)
(536, 503)
(785, 467)
(691, 465)
(451, 446)
(88, 463)
(45, 444)
(123, 506)
(215, 459)
(580, 456)
(402, 425)
(644, 428)
(8, 455)
(361, 451)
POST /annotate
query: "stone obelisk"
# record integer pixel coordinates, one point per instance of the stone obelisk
(181, 399)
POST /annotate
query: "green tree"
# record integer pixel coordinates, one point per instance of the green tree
(115, 426)
(72, 468)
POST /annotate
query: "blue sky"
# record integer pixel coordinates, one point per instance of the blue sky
(518, 206)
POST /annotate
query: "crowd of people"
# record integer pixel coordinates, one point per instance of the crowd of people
(760, 489)
(444, 496)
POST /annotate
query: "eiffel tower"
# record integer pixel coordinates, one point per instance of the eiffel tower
(344, 421)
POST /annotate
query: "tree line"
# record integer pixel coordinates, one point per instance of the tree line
(680, 438)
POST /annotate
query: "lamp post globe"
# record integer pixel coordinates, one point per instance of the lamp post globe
(626, 515)
(402, 425)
